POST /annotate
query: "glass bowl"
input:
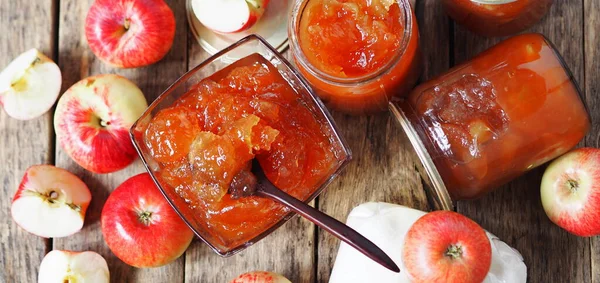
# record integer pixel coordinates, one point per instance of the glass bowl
(247, 46)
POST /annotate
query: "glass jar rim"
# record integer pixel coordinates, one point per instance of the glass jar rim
(296, 16)
(441, 196)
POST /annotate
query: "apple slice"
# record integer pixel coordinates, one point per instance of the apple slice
(29, 85)
(229, 16)
(50, 202)
(260, 277)
(68, 266)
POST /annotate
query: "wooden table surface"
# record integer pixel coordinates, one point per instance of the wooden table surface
(383, 168)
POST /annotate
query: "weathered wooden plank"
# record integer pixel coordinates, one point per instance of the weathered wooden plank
(382, 169)
(77, 61)
(24, 143)
(514, 212)
(591, 24)
(288, 251)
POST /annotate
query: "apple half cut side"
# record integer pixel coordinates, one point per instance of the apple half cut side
(29, 85)
(50, 202)
(68, 266)
(229, 16)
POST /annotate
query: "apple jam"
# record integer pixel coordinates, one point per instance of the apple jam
(497, 17)
(204, 144)
(489, 120)
(357, 54)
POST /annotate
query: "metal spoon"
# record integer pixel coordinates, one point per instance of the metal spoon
(265, 188)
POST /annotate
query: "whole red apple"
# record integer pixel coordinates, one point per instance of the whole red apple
(229, 16)
(570, 191)
(50, 202)
(92, 122)
(140, 227)
(444, 246)
(130, 33)
(260, 277)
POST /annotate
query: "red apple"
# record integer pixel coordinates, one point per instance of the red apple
(130, 33)
(68, 266)
(229, 16)
(444, 246)
(50, 202)
(92, 122)
(570, 192)
(260, 277)
(29, 85)
(140, 227)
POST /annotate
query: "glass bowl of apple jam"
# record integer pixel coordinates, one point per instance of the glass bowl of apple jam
(199, 137)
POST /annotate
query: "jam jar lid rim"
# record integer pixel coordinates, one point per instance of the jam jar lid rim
(440, 192)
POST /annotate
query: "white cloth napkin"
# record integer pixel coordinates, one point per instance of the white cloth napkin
(386, 225)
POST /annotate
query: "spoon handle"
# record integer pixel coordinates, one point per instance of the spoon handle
(330, 224)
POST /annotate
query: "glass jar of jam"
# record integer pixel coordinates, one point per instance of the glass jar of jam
(356, 54)
(489, 120)
(496, 17)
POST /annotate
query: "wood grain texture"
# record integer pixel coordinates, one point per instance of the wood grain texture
(591, 25)
(288, 251)
(514, 212)
(23, 143)
(382, 169)
(77, 62)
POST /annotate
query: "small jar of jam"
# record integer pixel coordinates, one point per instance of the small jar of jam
(489, 120)
(356, 54)
(496, 17)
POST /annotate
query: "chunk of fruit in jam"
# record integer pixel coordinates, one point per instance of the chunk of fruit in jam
(171, 133)
(216, 159)
(350, 38)
(462, 116)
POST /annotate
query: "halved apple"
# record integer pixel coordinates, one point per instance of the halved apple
(29, 85)
(68, 266)
(229, 16)
(50, 202)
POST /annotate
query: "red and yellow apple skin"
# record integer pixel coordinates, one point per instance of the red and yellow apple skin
(444, 246)
(140, 227)
(50, 202)
(92, 122)
(130, 33)
(260, 277)
(570, 192)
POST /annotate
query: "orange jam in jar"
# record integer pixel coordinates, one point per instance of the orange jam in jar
(204, 143)
(356, 54)
(497, 17)
(489, 120)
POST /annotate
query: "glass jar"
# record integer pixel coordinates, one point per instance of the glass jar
(356, 55)
(489, 120)
(267, 91)
(496, 17)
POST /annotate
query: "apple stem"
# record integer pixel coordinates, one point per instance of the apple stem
(145, 217)
(127, 24)
(572, 185)
(454, 252)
